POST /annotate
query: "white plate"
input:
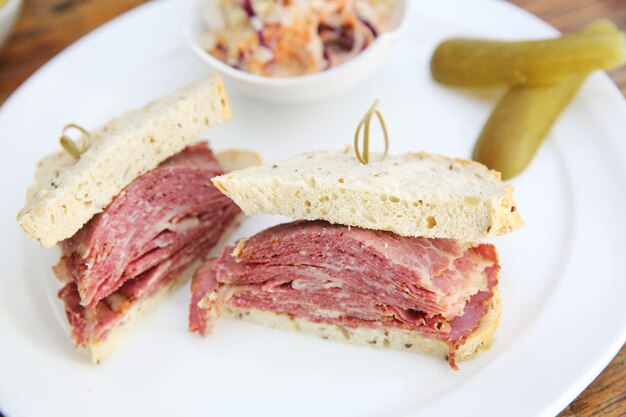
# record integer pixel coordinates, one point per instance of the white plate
(562, 278)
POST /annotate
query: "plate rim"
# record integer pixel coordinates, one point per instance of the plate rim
(559, 403)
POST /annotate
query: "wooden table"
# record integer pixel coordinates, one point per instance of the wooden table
(48, 26)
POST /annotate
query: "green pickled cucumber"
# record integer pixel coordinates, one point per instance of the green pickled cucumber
(519, 123)
(482, 63)
(523, 117)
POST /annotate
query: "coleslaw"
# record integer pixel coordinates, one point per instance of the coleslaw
(286, 38)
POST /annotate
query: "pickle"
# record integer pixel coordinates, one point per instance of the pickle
(482, 63)
(523, 117)
(519, 123)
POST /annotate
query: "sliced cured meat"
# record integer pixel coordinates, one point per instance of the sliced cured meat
(153, 218)
(158, 226)
(353, 277)
(203, 283)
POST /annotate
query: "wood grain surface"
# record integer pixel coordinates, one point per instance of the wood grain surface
(46, 27)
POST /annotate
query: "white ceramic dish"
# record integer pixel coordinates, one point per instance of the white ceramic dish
(308, 88)
(8, 15)
(560, 270)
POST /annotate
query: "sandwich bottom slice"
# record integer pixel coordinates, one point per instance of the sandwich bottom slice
(429, 295)
(143, 246)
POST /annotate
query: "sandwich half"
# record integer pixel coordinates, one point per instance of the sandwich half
(383, 254)
(134, 213)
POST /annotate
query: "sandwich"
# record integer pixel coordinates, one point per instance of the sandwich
(382, 254)
(133, 211)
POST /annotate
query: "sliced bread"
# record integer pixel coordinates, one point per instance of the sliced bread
(480, 339)
(69, 191)
(415, 194)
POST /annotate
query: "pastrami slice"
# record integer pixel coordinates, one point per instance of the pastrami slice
(352, 277)
(158, 226)
(203, 285)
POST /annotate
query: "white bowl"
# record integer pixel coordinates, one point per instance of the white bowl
(8, 14)
(305, 88)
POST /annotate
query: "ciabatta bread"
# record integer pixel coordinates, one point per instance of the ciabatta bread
(415, 194)
(68, 192)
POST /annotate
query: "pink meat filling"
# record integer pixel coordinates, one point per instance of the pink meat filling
(157, 226)
(354, 277)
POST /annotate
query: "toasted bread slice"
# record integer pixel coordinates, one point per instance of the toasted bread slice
(415, 194)
(68, 192)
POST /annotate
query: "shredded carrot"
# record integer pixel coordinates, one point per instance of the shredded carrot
(293, 37)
